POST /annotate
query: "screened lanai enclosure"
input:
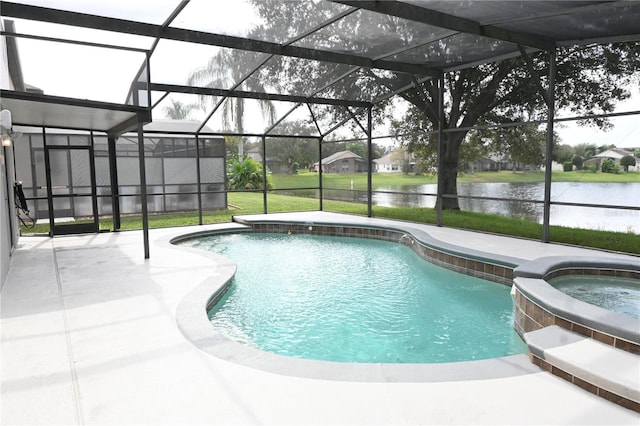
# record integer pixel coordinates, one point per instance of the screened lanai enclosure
(86, 185)
(132, 109)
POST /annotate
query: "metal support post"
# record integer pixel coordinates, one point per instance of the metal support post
(264, 173)
(320, 194)
(549, 151)
(143, 191)
(47, 167)
(370, 165)
(440, 190)
(198, 180)
(94, 183)
(113, 176)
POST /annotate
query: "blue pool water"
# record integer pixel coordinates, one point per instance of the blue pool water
(357, 300)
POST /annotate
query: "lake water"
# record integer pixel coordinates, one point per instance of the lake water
(621, 194)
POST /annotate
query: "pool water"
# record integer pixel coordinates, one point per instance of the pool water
(357, 300)
(618, 294)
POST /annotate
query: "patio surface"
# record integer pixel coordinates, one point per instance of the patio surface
(89, 336)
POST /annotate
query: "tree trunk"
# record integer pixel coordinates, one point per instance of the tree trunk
(449, 173)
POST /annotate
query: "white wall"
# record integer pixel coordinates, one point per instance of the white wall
(8, 225)
(8, 222)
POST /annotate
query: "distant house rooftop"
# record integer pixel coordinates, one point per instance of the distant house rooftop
(181, 126)
(342, 155)
(615, 153)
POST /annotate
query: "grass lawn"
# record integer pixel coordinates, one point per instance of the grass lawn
(251, 203)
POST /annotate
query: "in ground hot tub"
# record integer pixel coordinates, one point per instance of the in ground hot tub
(614, 293)
(538, 303)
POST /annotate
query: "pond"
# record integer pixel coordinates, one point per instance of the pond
(622, 194)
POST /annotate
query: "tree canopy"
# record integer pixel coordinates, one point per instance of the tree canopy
(589, 80)
(626, 161)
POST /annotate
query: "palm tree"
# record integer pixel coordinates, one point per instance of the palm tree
(232, 70)
(178, 110)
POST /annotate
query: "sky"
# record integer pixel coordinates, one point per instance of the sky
(625, 134)
(106, 74)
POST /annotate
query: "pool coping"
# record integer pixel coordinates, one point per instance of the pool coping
(193, 322)
(538, 304)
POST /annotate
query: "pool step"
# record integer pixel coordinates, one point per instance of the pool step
(599, 368)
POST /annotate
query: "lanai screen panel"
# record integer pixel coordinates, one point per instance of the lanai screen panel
(352, 50)
(372, 34)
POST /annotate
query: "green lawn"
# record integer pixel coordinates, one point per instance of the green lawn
(574, 176)
(250, 203)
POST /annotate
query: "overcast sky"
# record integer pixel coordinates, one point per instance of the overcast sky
(625, 134)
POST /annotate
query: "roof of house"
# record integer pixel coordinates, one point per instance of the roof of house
(616, 153)
(184, 126)
(342, 155)
(156, 128)
(395, 156)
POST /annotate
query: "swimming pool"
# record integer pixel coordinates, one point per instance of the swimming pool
(357, 300)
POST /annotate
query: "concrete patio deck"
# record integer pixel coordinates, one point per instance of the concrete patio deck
(89, 336)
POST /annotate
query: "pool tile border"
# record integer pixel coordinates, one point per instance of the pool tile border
(586, 385)
(596, 367)
(531, 316)
(538, 304)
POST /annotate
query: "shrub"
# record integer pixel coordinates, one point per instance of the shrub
(610, 166)
(568, 166)
(246, 174)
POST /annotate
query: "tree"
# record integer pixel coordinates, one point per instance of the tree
(589, 79)
(228, 69)
(627, 161)
(359, 148)
(423, 146)
(178, 110)
(527, 146)
(577, 161)
(585, 150)
(285, 21)
(292, 153)
(563, 153)
(523, 145)
(231, 144)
